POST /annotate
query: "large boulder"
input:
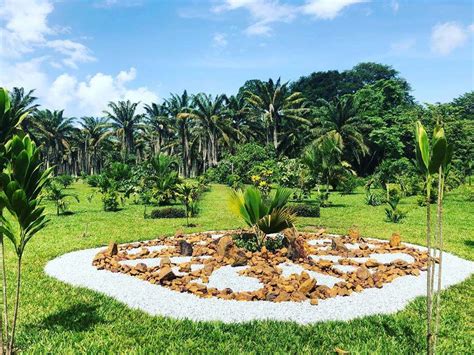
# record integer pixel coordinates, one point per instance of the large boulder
(185, 248)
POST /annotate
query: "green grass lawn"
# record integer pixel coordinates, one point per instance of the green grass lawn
(55, 317)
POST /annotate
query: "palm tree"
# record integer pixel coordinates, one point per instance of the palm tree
(125, 121)
(274, 102)
(178, 107)
(95, 131)
(56, 132)
(22, 102)
(159, 128)
(246, 125)
(340, 116)
(210, 113)
(324, 156)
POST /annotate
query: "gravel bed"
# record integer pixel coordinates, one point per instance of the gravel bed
(76, 269)
(321, 279)
(228, 277)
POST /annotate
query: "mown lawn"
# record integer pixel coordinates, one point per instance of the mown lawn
(58, 318)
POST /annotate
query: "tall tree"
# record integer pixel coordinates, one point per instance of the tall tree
(94, 130)
(274, 102)
(55, 133)
(125, 121)
(159, 128)
(340, 116)
(22, 102)
(178, 107)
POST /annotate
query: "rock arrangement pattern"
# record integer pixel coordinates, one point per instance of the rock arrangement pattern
(210, 265)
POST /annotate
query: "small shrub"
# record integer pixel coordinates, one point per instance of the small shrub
(393, 213)
(65, 180)
(348, 184)
(168, 212)
(306, 210)
(110, 201)
(249, 241)
(93, 180)
(323, 199)
(374, 199)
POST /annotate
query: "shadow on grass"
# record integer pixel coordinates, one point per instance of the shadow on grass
(77, 318)
(469, 243)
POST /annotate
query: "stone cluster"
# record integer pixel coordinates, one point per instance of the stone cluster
(197, 256)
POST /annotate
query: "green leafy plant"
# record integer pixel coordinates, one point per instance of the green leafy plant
(188, 195)
(433, 159)
(21, 181)
(393, 213)
(111, 201)
(65, 180)
(373, 198)
(265, 215)
(55, 192)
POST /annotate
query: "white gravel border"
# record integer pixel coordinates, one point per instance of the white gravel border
(76, 269)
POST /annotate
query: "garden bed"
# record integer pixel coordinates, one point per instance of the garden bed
(205, 276)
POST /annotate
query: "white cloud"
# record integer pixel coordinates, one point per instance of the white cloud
(395, 5)
(264, 13)
(25, 28)
(219, 40)
(74, 52)
(327, 9)
(62, 92)
(94, 93)
(448, 36)
(403, 45)
(25, 25)
(25, 73)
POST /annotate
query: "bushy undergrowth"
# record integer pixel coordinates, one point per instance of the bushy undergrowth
(306, 210)
(249, 241)
(168, 212)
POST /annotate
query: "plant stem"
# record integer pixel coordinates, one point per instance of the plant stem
(428, 278)
(5, 299)
(17, 304)
(440, 245)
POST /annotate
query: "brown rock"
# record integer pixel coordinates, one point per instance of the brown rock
(166, 274)
(363, 273)
(314, 301)
(395, 240)
(354, 234)
(165, 261)
(224, 245)
(307, 286)
(338, 245)
(296, 249)
(141, 267)
(239, 256)
(112, 249)
(185, 248)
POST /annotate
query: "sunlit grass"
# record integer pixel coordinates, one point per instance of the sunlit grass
(59, 318)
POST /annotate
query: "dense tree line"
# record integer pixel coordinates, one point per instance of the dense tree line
(368, 108)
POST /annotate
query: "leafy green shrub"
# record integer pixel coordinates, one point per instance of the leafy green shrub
(373, 198)
(247, 155)
(168, 212)
(93, 180)
(249, 241)
(263, 213)
(306, 210)
(322, 199)
(64, 179)
(234, 181)
(110, 201)
(347, 184)
(393, 213)
(55, 192)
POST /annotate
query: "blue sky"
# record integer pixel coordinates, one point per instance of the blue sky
(81, 54)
